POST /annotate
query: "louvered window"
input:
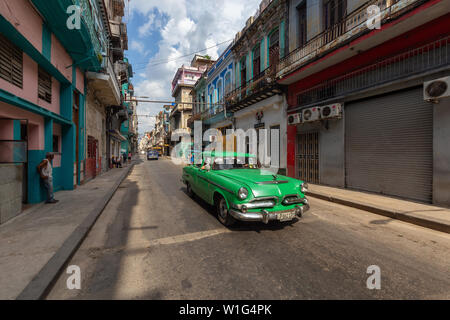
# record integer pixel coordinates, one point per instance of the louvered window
(11, 62)
(44, 85)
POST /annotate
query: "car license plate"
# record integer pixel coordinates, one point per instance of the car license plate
(286, 216)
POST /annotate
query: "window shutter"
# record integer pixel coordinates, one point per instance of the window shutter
(44, 85)
(11, 62)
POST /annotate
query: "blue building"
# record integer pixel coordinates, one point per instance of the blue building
(218, 83)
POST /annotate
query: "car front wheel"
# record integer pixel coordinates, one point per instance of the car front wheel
(189, 190)
(223, 214)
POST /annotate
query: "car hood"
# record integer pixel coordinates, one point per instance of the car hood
(262, 183)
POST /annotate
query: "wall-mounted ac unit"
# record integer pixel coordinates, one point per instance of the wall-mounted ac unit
(295, 118)
(436, 89)
(311, 114)
(331, 111)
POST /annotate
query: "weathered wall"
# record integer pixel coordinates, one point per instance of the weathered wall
(95, 126)
(10, 191)
(274, 110)
(314, 20)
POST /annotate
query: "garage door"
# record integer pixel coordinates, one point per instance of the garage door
(389, 145)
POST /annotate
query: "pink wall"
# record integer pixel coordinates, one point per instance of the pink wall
(36, 124)
(29, 91)
(6, 129)
(61, 59)
(22, 15)
(80, 81)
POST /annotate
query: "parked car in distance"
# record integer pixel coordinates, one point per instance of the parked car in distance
(152, 155)
(241, 190)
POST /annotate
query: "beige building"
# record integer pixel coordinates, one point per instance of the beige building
(182, 90)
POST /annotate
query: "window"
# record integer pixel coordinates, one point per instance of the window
(219, 90)
(256, 61)
(228, 82)
(44, 85)
(301, 11)
(333, 12)
(11, 62)
(243, 72)
(274, 48)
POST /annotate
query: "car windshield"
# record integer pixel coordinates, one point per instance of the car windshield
(231, 163)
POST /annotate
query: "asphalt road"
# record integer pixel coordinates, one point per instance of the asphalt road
(154, 242)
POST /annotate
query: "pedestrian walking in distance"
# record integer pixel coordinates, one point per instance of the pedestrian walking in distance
(46, 172)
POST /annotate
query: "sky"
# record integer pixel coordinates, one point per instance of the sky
(162, 31)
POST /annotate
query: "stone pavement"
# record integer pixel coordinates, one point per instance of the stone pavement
(425, 215)
(36, 244)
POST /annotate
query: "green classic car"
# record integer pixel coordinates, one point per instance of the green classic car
(242, 191)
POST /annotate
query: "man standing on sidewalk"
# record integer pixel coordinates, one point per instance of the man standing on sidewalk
(46, 172)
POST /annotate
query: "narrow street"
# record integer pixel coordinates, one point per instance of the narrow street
(154, 242)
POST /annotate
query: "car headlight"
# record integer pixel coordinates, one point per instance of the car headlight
(304, 187)
(242, 193)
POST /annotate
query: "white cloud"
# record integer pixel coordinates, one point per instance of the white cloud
(138, 46)
(189, 26)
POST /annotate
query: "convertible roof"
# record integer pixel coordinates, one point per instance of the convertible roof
(227, 154)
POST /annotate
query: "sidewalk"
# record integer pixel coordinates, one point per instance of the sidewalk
(36, 244)
(428, 216)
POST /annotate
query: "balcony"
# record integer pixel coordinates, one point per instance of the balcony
(352, 27)
(184, 82)
(261, 87)
(105, 84)
(432, 57)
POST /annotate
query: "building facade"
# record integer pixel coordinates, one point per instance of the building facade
(56, 83)
(43, 93)
(258, 101)
(360, 114)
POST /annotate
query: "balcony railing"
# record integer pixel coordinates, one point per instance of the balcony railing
(430, 57)
(352, 25)
(253, 90)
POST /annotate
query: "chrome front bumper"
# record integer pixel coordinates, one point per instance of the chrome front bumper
(266, 216)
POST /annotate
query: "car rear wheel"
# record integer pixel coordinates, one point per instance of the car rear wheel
(223, 214)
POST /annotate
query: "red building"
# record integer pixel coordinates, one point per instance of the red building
(369, 105)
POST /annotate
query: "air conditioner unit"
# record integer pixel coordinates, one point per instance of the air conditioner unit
(436, 89)
(311, 114)
(295, 118)
(331, 111)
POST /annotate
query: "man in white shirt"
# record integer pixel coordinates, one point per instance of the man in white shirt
(46, 172)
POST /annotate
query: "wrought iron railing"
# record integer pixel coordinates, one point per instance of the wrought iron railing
(352, 25)
(263, 79)
(90, 23)
(428, 57)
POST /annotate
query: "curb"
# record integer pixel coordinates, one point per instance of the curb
(40, 285)
(430, 224)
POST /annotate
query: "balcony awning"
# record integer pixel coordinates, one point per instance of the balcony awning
(105, 86)
(115, 134)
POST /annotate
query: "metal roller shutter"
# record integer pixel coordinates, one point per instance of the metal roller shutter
(389, 145)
